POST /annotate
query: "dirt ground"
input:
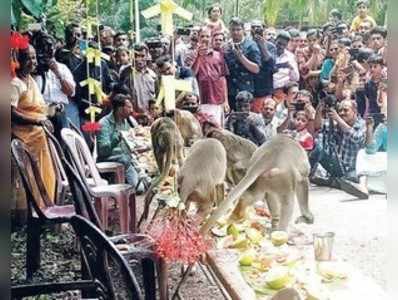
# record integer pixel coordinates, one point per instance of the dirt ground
(360, 228)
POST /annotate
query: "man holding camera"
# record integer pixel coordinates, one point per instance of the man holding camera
(244, 123)
(55, 82)
(263, 81)
(210, 70)
(342, 135)
(303, 102)
(243, 59)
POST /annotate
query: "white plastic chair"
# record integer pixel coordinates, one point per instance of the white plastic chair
(124, 194)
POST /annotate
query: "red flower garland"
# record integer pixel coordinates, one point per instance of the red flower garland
(177, 238)
(91, 127)
(18, 41)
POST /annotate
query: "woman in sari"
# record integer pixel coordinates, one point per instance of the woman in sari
(28, 112)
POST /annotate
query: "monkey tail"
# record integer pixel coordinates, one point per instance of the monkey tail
(166, 166)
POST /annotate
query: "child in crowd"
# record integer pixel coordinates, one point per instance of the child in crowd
(214, 22)
(300, 132)
(122, 58)
(362, 9)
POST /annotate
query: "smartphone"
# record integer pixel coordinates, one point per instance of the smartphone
(378, 117)
(83, 45)
(282, 66)
(298, 106)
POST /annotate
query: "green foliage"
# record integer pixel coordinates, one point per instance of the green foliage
(116, 13)
(315, 12)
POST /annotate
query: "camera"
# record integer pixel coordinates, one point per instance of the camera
(240, 115)
(354, 53)
(378, 117)
(330, 101)
(183, 31)
(259, 31)
(154, 43)
(298, 106)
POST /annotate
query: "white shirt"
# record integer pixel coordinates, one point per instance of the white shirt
(270, 129)
(53, 90)
(284, 75)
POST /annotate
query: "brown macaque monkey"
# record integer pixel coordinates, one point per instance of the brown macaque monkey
(239, 152)
(278, 169)
(201, 178)
(168, 147)
(188, 125)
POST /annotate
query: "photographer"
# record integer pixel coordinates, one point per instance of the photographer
(263, 81)
(341, 135)
(210, 70)
(55, 82)
(372, 161)
(243, 59)
(328, 63)
(244, 123)
(301, 103)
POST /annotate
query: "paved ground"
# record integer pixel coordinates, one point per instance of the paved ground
(360, 227)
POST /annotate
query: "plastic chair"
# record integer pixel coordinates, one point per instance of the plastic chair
(101, 259)
(108, 167)
(124, 194)
(139, 246)
(41, 211)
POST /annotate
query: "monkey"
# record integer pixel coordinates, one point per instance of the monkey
(168, 147)
(279, 168)
(188, 125)
(239, 152)
(201, 178)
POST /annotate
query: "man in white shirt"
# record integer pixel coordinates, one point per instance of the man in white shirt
(286, 68)
(55, 82)
(271, 122)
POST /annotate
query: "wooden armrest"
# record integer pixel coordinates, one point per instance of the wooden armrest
(27, 290)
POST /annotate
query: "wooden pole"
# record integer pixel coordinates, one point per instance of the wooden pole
(137, 22)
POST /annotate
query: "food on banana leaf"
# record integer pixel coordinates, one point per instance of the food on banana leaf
(277, 278)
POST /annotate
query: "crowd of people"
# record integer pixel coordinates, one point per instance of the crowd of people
(323, 86)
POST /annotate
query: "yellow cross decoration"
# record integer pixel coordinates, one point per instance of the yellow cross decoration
(168, 89)
(88, 24)
(94, 88)
(92, 111)
(95, 55)
(166, 9)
